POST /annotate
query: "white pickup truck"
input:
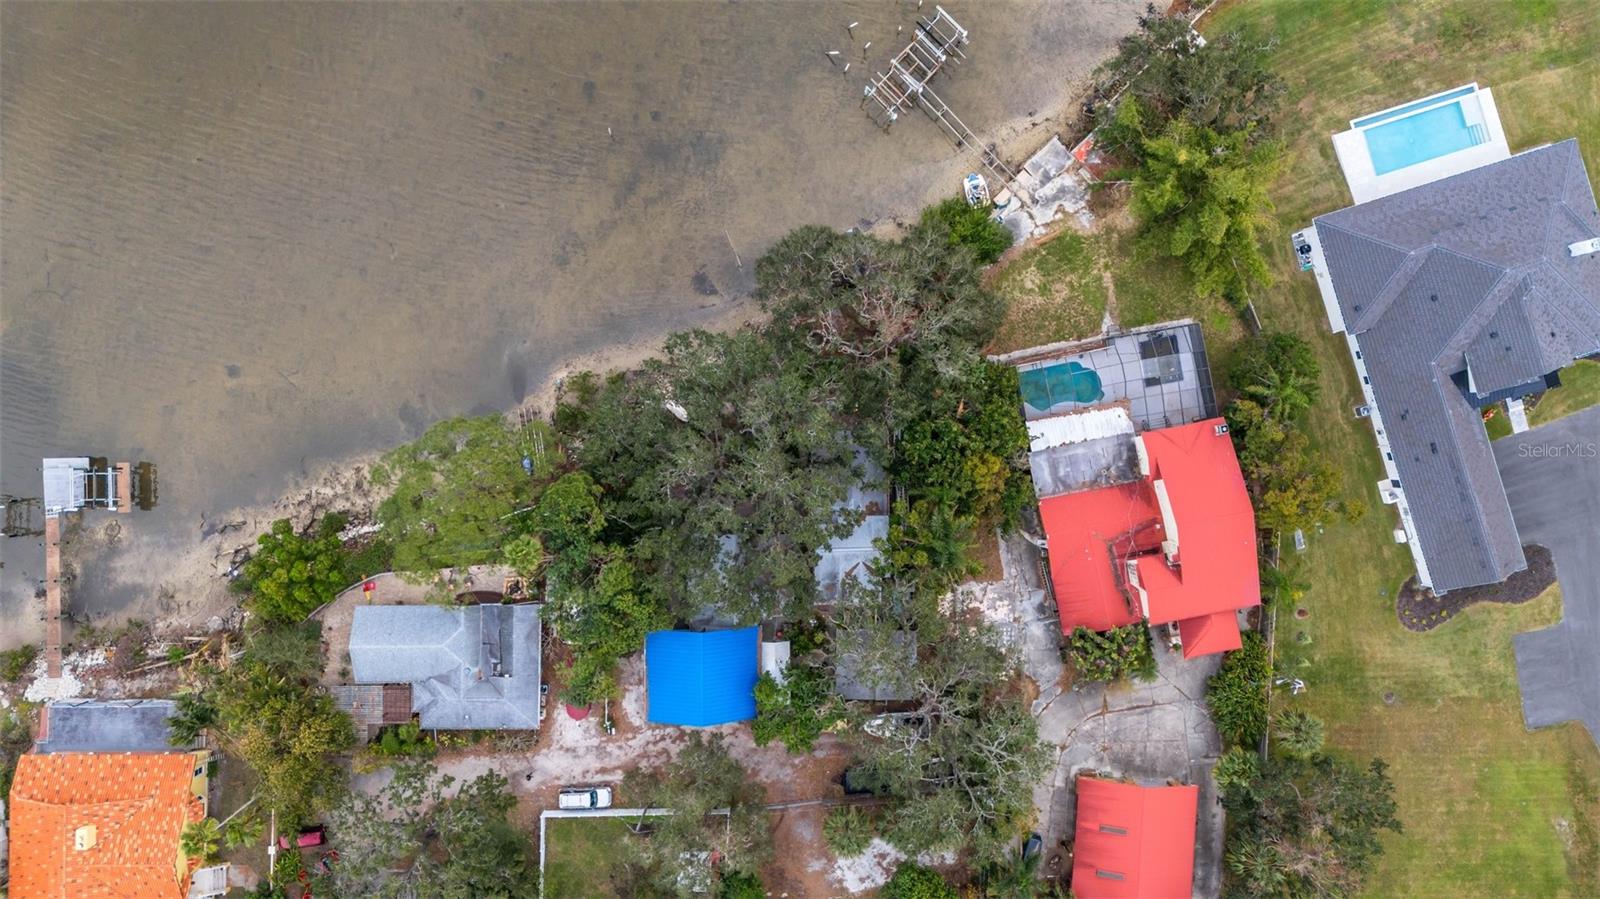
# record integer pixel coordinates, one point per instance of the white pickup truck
(584, 798)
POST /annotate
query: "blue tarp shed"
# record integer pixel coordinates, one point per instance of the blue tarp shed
(701, 679)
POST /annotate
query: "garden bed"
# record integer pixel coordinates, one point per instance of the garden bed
(1420, 610)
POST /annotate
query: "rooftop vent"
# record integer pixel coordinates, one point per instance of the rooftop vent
(83, 839)
(1220, 429)
(1584, 247)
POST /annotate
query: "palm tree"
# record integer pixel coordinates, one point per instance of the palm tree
(1259, 866)
(242, 830)
(1285, 394)
(1014, 878)
(1282, 583)
(200, 839)
(1299, 733)
(848, 831)
(190, 718)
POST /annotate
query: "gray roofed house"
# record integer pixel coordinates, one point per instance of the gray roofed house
(106, 725)
(1455, 295)
(892, 684)
(469, 667)
(851, 555)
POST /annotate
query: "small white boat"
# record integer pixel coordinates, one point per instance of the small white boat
(976, 189)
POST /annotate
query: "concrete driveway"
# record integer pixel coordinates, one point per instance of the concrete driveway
(1552, 477)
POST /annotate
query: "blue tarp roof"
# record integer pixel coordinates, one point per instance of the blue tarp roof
(701, 679)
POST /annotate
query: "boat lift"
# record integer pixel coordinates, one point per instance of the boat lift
(938, 39)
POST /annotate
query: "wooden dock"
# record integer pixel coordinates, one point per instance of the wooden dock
(52, 595)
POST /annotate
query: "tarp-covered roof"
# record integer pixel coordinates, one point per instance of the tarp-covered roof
(699, 679)
(1134, 842)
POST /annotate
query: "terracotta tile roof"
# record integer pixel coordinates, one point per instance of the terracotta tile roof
(138, 804)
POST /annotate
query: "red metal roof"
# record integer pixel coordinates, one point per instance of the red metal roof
(1134, 842)
(1088, 534)
(1091, 534)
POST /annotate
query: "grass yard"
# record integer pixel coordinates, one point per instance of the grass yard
(1060, 290)
(580, 854)
(1489, 809)
(1580, 389)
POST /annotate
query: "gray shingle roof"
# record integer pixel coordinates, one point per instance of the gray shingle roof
(1466, 274)
(470, 667)
(107, 725)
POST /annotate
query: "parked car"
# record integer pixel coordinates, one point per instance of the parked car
(584, 798)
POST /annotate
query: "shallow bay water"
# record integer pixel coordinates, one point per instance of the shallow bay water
(245, 240)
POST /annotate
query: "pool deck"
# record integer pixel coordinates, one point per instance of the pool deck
(1355, 159)
(1171, 389)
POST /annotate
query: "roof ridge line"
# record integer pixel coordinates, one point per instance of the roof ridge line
(1365, 236)
(1473, 495)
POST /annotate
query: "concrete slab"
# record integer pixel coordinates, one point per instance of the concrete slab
(1552, 479)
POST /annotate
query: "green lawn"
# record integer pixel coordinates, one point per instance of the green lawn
(1060, 290)
(1489, 809)
(580, 854)
(1580, 389)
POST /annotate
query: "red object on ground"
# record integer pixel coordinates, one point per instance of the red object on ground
(311, 836)
(1193, 498)
(368, 587)
(576, 713)
(1134, 842)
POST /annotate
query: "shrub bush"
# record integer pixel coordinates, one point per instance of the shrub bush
(14, 663)
(1112, 655)
(913, 881)
(848, 830)
(1237, 695)
(970, 226)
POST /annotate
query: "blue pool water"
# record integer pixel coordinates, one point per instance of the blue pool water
(1421, 137)
(1413, 107)
(1043, 388)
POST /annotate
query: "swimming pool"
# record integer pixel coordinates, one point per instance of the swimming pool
(1421, 136)
(1048, 386)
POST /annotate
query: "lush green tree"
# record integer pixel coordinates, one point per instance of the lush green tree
(243, 830)
(1298, 733)
(1202, 196)
(929, 545)
(798, 710)
(290, 575)
(291, 649)
(1014, 877)
(1236, 771)
(973, 227)
(570, 519)
(721, 464)
(458, 490)
(525, 554)
(848, 830)
(1237, 693)
(1227, 83)
(961, 767)
(741, 885)
(603, 622)
(1273, 354)
(191, 715)
(913, 881)
(270, 713)
(200, 839)
(1307, 827)
(962, 441)
(1112, 655)
(1293, 487)
(701, 779)
(414, 838)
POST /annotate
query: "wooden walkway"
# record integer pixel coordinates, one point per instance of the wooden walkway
(52, 596)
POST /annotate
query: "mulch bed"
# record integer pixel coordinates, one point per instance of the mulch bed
(1421, 610)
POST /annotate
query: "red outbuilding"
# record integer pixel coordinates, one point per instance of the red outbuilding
(1134, 842)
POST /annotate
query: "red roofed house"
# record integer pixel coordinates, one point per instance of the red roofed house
(1134, 842)
(104, 825)
(1176, 546)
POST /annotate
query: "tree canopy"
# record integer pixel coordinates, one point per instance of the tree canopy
(458, 489)
(291, 574)
(973, 227)
(703, 778)
(1226, 83)
(1202, 196)
(417, 838)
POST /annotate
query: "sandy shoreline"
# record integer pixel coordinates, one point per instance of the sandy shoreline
(191, 591)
